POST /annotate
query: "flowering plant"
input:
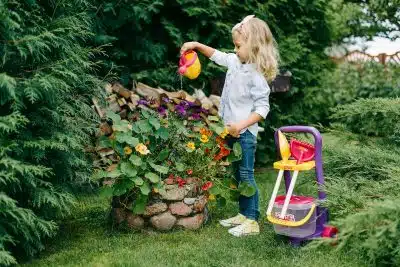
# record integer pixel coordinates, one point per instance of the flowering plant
(166, 143)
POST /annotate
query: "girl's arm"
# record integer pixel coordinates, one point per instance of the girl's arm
(235, 128)
(204, 49)
(223, 59)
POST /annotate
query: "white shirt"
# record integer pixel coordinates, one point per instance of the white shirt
(245, 91)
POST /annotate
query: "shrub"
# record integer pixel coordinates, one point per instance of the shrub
(46, 83)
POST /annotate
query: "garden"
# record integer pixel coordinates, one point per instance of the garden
(109, 157)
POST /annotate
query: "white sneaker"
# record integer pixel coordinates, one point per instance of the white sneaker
(249, 227)
(234, 221)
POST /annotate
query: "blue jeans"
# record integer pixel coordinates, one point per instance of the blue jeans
(244, 172)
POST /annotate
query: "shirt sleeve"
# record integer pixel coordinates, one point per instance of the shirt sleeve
(224, 59)
(260, 95)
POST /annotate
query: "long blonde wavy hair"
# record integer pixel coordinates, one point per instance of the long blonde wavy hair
(261, 45)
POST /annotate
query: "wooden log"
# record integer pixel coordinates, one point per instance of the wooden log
(216, 100)
(134, 99)
(131, 106)
(97, 107)
(104, 152)
(149, 92)
(121, 91)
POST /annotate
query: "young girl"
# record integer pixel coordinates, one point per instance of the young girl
(244, 102)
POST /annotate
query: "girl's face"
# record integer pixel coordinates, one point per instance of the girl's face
(240, 49)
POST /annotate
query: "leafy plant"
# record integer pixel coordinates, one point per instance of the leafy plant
(170, 142)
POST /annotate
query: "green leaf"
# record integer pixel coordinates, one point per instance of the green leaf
(180, 167)
(246, 189)
(214, 190)
(144, 126)
(213, 118)
(136, 160)
(216, 128)
(106, 192)
(159, 168)
(114, 174)
(104, 142)
(126, 137)
(237, 149)
(145, 188)
(163, 133)
(154, 178)
(139, 205)
(138, 181)
(113, 116)
(145, 114)
(163, 154)
(155, 122)
(121, 126)
(128, 169)
(99, 174)
(221, 201)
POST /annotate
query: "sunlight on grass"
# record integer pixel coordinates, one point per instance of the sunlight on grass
(86, 240)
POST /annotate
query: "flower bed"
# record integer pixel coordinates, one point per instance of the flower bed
(165, 161)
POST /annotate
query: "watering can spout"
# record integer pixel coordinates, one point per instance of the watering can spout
(189, 65)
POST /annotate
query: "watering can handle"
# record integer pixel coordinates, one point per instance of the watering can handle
(183, 61)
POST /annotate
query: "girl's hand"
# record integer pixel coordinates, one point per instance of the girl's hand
(234, 129)
(188, 46)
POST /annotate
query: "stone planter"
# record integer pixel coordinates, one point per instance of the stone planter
(180, 206)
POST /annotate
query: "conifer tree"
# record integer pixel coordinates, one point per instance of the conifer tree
(46, 83)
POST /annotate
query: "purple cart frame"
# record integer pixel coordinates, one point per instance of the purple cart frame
(322, 213)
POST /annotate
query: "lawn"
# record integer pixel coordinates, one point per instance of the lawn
(85, 239)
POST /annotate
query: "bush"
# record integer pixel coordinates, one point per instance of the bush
(362, 181)
(46, 84)
(372, 117)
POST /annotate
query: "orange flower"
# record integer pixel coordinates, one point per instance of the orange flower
(204, 131)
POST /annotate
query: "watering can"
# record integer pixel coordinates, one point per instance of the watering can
(189, 64)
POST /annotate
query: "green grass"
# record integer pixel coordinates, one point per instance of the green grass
(85, 239)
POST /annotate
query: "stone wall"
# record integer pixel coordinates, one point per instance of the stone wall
(179, 206)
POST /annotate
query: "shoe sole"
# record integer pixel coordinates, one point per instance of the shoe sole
(224, 224)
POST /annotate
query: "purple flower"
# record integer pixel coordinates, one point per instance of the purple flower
(184, 104)
(180, 110)
(196, 116)
(143, 102)
(162, 111)
(165, 100)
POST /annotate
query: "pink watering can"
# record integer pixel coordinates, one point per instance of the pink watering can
(189, 65)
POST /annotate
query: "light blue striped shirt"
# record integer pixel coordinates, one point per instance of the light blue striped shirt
(245, 91)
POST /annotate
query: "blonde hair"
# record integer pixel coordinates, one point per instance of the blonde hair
(261, 45)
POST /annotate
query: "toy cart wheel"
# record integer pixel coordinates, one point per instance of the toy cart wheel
(329, 231)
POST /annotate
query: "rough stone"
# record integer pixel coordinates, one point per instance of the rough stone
(180, 208)
(164, 221)
(155, 208)
(191, 223)
(134, 221)
(200, 203)
(173, 192)
(191, 190)
(118, 215)
(189, 201)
